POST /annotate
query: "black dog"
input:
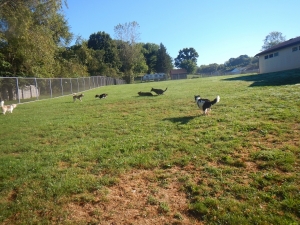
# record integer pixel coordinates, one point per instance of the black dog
(101, 96)
(145, 93)
(158, 91)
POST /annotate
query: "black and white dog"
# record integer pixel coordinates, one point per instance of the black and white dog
(104, 95)
(205, 104)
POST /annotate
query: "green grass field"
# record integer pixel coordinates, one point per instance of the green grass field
(138, 160)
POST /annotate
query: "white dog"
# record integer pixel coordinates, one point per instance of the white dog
(7, 108)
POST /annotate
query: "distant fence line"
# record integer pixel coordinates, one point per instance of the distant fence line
(20, 89)
(221, 73)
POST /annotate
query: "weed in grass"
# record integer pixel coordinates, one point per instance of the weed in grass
(198, 209)
(183, 161)
(178, 216)
(228, 160)
(163, 207)
(152, 200)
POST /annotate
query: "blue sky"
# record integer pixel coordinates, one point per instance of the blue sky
(217, 29)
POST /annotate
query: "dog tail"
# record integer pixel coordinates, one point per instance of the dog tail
(96, 96)
(216, 100)
(166, 89)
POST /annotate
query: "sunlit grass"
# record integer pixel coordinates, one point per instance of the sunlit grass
(245, 155)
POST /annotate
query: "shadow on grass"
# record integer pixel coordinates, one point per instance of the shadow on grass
(181, 120)
(150, 96)
(288, 77)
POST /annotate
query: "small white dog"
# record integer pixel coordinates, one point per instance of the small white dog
(7, 108)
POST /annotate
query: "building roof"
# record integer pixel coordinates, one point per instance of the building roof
(292, 41)
(178, 71)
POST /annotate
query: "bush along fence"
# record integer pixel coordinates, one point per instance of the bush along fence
(19, 89)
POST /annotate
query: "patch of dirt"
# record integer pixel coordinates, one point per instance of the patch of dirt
(140, 197)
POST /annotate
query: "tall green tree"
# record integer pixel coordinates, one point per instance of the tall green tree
(140, 66)
(103, 41)
(189, 65)
(164, 60)
(74, 60)
(127, 36)
(187, 59)
(31, 32)
(272, 39)
(150, 52)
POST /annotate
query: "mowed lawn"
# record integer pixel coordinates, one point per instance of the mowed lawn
(156, 160)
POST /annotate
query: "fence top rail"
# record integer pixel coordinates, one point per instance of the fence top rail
(52, 78)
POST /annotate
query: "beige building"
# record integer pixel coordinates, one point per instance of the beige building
(284, 56)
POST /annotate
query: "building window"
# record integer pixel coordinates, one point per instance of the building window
(275, 54)
(294, 49)
(271, 55)
(266, 56)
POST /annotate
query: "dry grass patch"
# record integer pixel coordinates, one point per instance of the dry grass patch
(140, 197)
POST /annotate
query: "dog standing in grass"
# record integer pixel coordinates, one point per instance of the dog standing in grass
(205, 104)
(77, 96)
(7, 108)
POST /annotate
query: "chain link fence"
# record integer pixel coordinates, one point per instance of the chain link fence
(19, 90)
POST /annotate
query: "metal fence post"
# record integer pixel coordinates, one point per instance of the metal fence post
(36, 89)
(17, 79)
(62, 87)
(50, 88)
(78, 85)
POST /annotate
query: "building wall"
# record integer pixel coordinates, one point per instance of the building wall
(285, 60)
(156, 76)
(178, 76)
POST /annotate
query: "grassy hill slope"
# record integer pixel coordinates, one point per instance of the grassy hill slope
(138, 160)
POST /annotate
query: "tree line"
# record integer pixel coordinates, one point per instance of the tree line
(35, 42)
(242, 61)
(35, 38)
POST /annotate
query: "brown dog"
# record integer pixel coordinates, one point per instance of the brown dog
(77, 96)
